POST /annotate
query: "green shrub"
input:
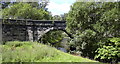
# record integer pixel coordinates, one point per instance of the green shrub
(110, 50)
(107, 52)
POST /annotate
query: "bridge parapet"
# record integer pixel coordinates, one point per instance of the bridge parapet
(34, 22)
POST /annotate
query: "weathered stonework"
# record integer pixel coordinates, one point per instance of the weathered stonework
(28, 30)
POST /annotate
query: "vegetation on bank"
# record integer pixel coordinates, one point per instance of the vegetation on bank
(16, 51)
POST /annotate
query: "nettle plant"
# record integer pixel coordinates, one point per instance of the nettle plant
(110, 50)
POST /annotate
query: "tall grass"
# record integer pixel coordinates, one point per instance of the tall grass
(16, 51)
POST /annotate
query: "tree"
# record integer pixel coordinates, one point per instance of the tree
(60, 17)
(57, 17)
(40, 5)
(92, 22)
(25, 11)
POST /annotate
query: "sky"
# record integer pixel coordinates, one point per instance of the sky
(58, 7)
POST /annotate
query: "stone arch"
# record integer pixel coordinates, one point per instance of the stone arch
(52, 29)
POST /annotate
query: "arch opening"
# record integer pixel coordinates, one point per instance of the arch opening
(68, 34)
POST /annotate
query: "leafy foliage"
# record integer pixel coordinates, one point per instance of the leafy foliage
(110, 50)
(93, 22)
(25, 11)
(41, 4)
(54, 38)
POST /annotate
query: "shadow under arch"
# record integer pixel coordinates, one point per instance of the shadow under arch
(63, 30)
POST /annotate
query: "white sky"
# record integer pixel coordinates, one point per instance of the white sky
(57, 7)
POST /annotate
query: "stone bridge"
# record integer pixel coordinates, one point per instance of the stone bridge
(29, 30)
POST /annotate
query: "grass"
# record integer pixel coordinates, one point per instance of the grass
(64, 57)
(35, 52)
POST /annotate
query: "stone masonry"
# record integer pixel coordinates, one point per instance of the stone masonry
(28, 30)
